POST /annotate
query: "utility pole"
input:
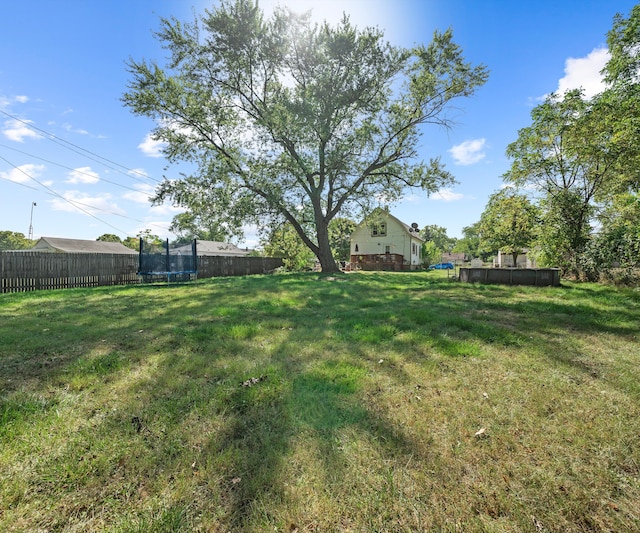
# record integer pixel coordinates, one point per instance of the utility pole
(33, 204)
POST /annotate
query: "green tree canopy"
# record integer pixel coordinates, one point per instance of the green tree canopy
(147, 236)
(340, 230)
(286, 120)
(582, 155)
(109, 237)
(197, 224)
(132, 242)
(12, 240)
(430, 253)
(285, 242)
(623, 68)
(617, 243)
(568, 157)
(438, 235)
(508, 223)
(469, 244)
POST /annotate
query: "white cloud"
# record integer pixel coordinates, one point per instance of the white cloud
(412, 198)
(468, 152)
(18, 131)
(23, 173)
(138, 173)
(150, 147)
(5, 102)
(76, 201)
(447, 195)
(584, 72)
(141, 196)
(83, 175)
(68, 127)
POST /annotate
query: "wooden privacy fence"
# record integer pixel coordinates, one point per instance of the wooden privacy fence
(29, 271)
(210, 266)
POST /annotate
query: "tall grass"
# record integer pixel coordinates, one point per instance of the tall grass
(364, 402)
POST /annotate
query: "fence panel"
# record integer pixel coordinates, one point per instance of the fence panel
(32, 270)
(212, 266)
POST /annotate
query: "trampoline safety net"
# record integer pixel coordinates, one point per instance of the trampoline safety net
(161, 262)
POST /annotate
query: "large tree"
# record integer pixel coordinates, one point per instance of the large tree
(212, 214)
(567, 156)
(621, 99)
(297, 121)
(623, 40)
(509, 223)
(581, 154)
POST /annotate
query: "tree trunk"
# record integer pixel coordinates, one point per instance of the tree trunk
(327, 262)
(515, 259)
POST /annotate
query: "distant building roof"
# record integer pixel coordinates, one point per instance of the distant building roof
(453, 256)
(213, 248)
(54, 244)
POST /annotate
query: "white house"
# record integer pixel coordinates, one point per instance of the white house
(385, 243)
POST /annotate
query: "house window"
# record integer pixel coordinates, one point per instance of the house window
(387, 249)
(379, 230)
(357, 250)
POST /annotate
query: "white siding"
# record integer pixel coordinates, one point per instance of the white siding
(396, 241)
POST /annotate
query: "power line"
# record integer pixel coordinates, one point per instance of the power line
(19, 183)
(82, 151)
(75, 204)
(68, 168)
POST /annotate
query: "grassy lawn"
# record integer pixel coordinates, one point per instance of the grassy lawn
(365, 402)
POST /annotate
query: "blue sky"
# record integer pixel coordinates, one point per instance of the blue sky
(68, 144)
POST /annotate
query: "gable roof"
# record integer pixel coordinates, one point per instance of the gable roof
(212, 248)
(415, 234)
(55, 244)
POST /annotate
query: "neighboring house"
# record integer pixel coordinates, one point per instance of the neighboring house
(386, 243)
(504, 260)
(213, 248)
(75, 246)
(457, 258)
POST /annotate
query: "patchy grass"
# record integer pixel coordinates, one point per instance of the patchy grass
(364, 402)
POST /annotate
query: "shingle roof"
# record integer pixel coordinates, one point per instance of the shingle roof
(55, 244)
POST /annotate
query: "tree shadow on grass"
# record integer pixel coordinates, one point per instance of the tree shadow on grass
(317, 407)
(190, 421)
